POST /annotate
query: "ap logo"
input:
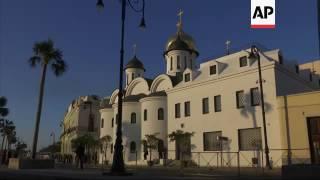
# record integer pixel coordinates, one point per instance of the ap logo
(263, 14)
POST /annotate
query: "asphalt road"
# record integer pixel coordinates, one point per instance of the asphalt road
(140, 173)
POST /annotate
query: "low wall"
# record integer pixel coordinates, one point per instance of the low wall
(16, 163)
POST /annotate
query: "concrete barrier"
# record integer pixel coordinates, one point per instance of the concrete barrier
(16, 163)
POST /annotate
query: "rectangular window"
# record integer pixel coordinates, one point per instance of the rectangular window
(243, 61)
(240, 99)
(211, 142)
(171, 63)
(145, 115)
(217, 103)
(213, 69)
(112, 122)
(187, 77)
(255, 96)
(187, 109)
(178, 62)
(102, 123)
(177, 110)
(250, 139)
(205, 105)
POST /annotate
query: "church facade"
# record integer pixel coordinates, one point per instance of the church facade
(217, 102)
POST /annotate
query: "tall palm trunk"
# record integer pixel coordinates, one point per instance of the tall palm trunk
(2, 144)
(38, 115)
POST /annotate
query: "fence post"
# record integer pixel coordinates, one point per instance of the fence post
(262, 162)
(238, 158)
(136, 158)
(221, 159)
(217, 159)
(199, 159)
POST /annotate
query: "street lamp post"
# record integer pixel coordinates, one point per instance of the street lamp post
(254, 54)
(118, 162)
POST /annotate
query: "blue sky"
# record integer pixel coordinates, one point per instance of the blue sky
(91, 40)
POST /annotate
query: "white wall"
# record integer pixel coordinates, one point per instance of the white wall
(152, 125)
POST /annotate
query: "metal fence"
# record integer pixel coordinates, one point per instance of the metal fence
(253, 158)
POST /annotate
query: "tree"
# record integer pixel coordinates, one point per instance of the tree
(21, 148)
(88, 141)
(45, 54)
(104, 143)
(182, 140)
(3, 110)
(52, 148)
(9, 134)
(7, 129)
(3, 113)
(151, 142)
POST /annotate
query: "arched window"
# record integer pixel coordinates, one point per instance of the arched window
(160, 114)
(102, 123)
(127, 80)
(145, 115)
(133, 118)
(133, 147)
(112, 122)
(178, 62)
(132, 77)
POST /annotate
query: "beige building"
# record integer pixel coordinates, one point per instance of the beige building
(218, 97)
(299, 115)
(82, 117)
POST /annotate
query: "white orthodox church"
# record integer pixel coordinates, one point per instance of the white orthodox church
(217, 102)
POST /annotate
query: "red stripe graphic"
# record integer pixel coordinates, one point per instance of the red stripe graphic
(263, 26)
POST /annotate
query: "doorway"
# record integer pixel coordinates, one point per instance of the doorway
(183, 148)
(313, 124)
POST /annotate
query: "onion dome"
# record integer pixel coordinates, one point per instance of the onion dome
(184, 37)
(135, 63)
(181, 41)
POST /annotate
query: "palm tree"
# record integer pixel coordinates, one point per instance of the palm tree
(6, 129)
(9, 134)
(151, 142)
(3, 110)
(3, 113)
(45, 54)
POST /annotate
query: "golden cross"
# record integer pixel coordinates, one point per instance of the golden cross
(134, 49)
(180, 16)
(228, 46)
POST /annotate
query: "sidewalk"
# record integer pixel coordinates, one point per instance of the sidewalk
(62, 173)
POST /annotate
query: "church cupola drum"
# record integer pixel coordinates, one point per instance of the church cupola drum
(134, 68)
